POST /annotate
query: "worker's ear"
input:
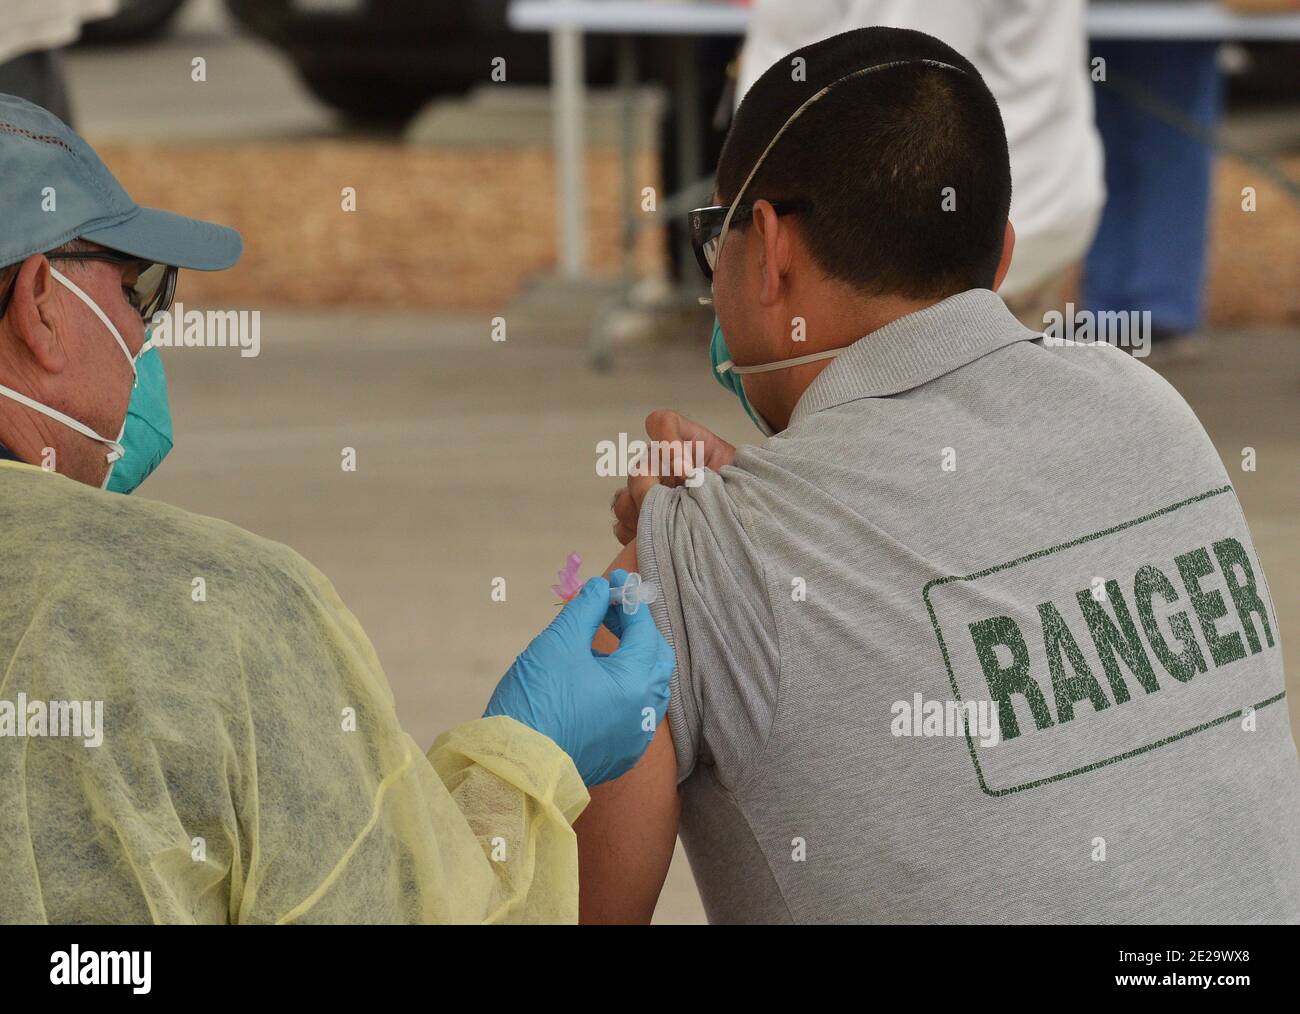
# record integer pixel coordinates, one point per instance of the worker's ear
(1008, 248)
(774, 252)
(31, 312)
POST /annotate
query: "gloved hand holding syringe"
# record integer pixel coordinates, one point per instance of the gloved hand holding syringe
(631, 594)
(566, 689)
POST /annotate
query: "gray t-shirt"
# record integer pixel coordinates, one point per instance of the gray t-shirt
(981, 637)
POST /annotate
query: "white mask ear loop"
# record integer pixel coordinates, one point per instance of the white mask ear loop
(781, 364)
(726, 222)
(115, 449)
(95, 309)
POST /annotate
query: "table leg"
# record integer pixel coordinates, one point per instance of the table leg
(627, 70)
(568, 81)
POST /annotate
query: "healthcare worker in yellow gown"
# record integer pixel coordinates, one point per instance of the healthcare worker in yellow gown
(237, 758)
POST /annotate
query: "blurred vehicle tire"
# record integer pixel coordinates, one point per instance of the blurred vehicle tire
(379, 61)
(368, 98)
(136, 21)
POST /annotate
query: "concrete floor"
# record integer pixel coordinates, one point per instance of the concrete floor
(476, 460)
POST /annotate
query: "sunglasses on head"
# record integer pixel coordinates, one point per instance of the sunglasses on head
(706, 228)
(153, 290)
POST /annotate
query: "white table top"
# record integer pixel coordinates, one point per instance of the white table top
(634, 17)
(1157, 19)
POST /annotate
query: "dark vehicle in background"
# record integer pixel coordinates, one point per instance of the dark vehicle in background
(381, 60)
(136, 21)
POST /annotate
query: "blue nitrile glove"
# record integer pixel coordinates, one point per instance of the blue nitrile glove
(592, 705)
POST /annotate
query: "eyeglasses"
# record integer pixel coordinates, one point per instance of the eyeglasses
(152, 292)
(706, 228)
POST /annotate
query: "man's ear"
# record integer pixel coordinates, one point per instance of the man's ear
(1008, 248)
(30, 315)
(774, 253)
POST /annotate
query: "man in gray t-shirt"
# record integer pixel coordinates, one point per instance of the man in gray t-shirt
(979, 635)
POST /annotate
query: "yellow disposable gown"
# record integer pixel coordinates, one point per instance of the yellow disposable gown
(251, 767)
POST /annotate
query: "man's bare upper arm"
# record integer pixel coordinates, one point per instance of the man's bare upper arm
(627, 832)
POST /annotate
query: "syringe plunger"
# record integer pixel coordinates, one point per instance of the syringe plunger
(633, 593)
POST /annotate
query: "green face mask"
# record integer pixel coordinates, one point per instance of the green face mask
(147, 433)
(720, 357)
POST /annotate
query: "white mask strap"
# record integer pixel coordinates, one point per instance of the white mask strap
(817, 97)
(94, 308)
(115, 450)
(784, 364)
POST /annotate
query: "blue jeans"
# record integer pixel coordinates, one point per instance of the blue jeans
(1149, 253)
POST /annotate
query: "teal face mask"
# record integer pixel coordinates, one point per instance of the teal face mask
(730, 375)
(147, 432)
(146, 435)
(725, 374)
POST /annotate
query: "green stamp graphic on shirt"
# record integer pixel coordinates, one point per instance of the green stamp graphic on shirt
(1111, 645)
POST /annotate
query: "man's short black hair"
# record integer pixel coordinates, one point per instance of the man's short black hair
(876, 156)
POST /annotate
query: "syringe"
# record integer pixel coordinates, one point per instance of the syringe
(633, 592)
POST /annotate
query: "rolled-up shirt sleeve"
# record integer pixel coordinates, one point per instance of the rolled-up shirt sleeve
(715, 610)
